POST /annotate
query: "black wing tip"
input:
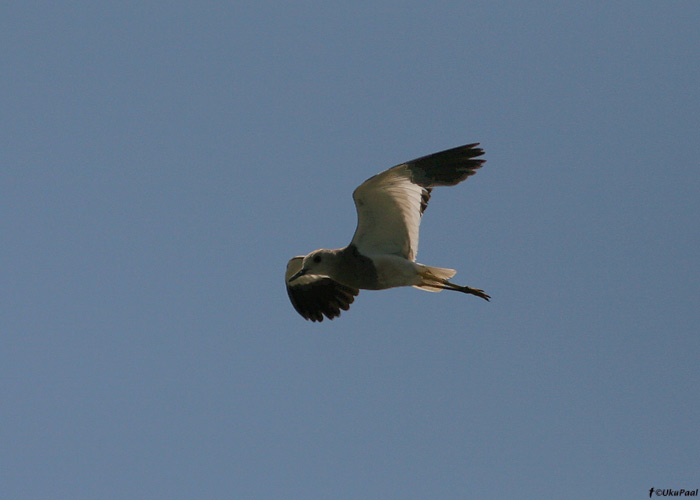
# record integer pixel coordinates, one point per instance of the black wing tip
(465, 151)
(321, 298)
(471, 148)
(448, 167)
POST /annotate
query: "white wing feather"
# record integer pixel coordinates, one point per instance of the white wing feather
(388, 214)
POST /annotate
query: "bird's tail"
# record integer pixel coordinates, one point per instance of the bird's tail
(432, 278)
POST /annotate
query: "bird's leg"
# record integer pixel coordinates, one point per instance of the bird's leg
(446, 285)
(475, 291)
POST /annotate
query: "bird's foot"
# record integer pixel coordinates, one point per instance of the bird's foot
(477, 292)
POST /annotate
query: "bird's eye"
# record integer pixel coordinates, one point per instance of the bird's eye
(317, 259)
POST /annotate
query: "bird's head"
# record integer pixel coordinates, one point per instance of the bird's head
(318, 262)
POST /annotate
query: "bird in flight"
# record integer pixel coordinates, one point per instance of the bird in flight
(382, 253)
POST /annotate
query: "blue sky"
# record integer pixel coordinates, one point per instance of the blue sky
(163, 161)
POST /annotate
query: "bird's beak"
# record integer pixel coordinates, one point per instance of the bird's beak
(297, 275)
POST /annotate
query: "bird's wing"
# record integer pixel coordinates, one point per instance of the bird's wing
(314, 296)
(390, 204)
